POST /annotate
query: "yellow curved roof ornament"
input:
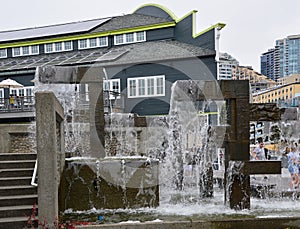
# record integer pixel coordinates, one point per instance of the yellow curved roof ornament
(172, 15)
(218, 26)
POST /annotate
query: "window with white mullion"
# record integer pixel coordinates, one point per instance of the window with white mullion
(1, 93)
(119, 39)
(25, 50)
(112, 85)
(17, 51)
(49, 48)
(83, 44)
(3, 53)
(34, 49)
(68, 45)
(103, 41)
(146, 86)
(115, 86)
(160, 85)
(150, 86)
(58, 46)
(132, 87)
(93, 42)
(140, 36)
(141, 87)
(130, 38)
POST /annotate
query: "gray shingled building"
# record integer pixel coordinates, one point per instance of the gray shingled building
(143, 53)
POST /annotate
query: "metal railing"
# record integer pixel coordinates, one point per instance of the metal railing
(17, 104)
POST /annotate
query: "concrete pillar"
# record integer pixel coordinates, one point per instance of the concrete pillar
(50, 154)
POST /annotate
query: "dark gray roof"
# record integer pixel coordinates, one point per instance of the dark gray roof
(96, 25)
(52, 30)
(130, 21)
(159, 51)
(144, 52)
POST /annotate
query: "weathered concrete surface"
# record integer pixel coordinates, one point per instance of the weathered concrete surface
(6, 133)
(109, 184)
(247, 223)
(270, 112)
(50, 152)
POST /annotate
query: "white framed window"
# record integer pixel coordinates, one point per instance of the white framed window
(68, 45)
(93, 42)
(1, 93)
(130, 38)
(58, 47)
(34, 49)
(82, 43)
(112, 85)
(25, 91)
(3, 53)
(28, 91)
(119, 39)
(17, 51)
(103, 41)
(13, 92)
(140, 36)
(150, 86)
(146, 86)
(48, 48)
(25, 50)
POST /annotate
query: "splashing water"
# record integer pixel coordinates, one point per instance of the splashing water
(183, 145)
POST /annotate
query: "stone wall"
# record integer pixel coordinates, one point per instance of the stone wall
(17, 138)
(22, 143)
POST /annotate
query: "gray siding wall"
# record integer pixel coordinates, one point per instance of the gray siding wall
(160, 34)
(183, 32)
(204, 69)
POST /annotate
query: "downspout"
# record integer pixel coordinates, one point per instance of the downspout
(217, 47)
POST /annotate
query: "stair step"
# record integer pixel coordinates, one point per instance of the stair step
(18, 200)
(24, 172)
(17, 196)
(12, 181)
(18, 190)
(16, 211)
(17, 156)
(17, 164)
(14, 223)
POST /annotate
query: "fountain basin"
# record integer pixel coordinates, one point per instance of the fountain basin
(109, 183)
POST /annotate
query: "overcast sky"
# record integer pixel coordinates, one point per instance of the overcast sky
(252, 26)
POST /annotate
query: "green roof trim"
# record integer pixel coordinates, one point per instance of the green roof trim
(187, 15)
(120, 31)
(218, 26)
(177, 20)
(172, 15)
(86, 36)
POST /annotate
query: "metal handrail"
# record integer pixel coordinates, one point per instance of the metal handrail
(33, 178)
(17, 104)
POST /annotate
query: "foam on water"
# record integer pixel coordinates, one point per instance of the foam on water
(179, 194)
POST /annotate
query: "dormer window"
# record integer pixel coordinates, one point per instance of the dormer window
(17, 51)
(128, 38)
(25, 50)
(58, 46)
(93, 42)
(3, 53)
(83, 44)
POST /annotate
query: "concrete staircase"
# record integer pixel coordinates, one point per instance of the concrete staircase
(17, 195)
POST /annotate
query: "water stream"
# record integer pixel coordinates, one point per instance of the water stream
(183, 144)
